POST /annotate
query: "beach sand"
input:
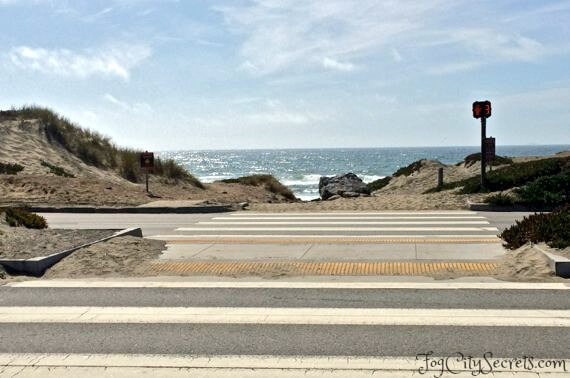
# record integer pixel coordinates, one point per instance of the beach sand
(126, 256)
(402, 193)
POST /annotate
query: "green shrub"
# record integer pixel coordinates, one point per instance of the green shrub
(474, 158)
(409, 169)
(17, 217)
(379, 184)
(552, 228)
(546, 191)
(500, 199)
(269, 182)
(56, 170)
(515, 175)
(10, 169)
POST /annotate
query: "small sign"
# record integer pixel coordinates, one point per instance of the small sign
(147, 160)
(481, 109)
(489, 149)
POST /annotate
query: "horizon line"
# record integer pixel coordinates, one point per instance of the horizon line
(353, 148)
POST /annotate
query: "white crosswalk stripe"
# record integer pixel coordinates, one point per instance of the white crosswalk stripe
(254, 226)
(299, 316)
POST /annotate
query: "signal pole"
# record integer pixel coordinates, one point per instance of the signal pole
(483, 153)
(482, 109)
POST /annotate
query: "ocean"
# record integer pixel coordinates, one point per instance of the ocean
(300, 169)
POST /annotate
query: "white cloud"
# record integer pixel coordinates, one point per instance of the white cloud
(386, 100)
(284, 34)
(115, 61)
(138, 108)
(282, 117)
(396, 55)
(300, 35)
(499, 45)
(336, 65)
(450, 68)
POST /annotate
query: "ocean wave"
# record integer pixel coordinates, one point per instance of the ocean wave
(212, 178)
(306, 180)
(313, 179)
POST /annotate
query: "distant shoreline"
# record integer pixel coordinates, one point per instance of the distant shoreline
(300, 169)
(564, 146)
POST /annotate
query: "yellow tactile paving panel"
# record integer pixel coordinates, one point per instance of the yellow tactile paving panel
(337, 241)
(324, 268)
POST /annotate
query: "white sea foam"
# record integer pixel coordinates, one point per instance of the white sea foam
(368, 179)
(307, 180)
(209, 179)
(313, 180)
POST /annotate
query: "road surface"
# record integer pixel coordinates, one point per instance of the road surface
(264, 328)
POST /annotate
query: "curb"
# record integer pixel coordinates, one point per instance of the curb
(560, 265)
(133, 210)
(475, 206)
(37, 266)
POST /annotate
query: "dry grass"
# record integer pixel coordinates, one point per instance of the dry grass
(269, 182)
(96, 149)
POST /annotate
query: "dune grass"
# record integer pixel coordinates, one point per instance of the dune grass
(514, 175)
(10, 169)
(17, 217)
(379, 184)
(96, 149)
(474, 158)
(268, 181)
(409, 169)
(59, 171)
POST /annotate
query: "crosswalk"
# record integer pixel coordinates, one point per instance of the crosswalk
(372, 227)
(281, 329)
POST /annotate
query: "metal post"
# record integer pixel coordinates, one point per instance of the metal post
(440, 178)
(483, 153)
(146, 173)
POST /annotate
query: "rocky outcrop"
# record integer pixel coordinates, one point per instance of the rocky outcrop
(346, 185)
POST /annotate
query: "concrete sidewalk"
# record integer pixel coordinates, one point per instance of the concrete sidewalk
(333, 252)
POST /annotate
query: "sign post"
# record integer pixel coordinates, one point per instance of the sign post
(147, 163)
(482, 109)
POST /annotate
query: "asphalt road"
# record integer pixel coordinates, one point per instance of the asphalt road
(282, 339)
(280, 297)
(157, 224)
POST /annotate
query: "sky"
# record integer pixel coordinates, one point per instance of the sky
(239, 74)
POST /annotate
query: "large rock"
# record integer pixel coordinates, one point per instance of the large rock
(347, 185)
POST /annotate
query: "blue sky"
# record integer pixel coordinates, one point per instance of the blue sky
(167, 74)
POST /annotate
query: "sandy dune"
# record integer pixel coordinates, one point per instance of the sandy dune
(25, 143)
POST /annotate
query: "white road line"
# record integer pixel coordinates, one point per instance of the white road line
(383, 236)
(343, 218)
(291, 285)
(339, 213)
(261, 365)
(265, 315)
(344, 229)
(347, 223)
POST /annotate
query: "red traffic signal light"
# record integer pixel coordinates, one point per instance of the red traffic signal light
(481, 109)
